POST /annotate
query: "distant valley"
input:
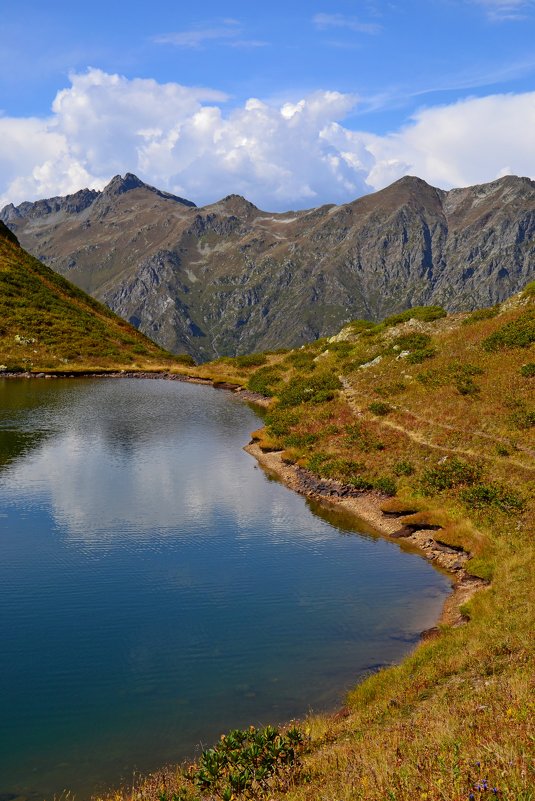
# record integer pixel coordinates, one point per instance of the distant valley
(230, 279)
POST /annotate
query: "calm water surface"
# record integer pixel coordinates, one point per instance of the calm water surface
(157, 589)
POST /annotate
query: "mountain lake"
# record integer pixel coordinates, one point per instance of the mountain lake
(157, 588)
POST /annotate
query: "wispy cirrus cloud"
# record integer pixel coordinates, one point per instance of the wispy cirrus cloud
(502, 10)
(228, 32)
(328, 21)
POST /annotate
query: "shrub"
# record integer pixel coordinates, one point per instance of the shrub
(528, 370)
(419, 356)
(309, 389)
(450, 474)
(482, 314)
(300, 440)
(385, 484)
(522, 418)
(249, 762)
(519, 333)
(413, 341)
(481, 496)
(280, 421)
(360, 483)
(264, 381)
(403, 468)
(301, 360)
(186, 359)
(251, 360)
(379, 408)
(424, 313)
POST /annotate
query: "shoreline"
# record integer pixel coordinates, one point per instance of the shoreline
(365, 506)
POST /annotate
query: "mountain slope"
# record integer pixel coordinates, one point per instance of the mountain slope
(229, 278)
(438, 411)
(46, 323)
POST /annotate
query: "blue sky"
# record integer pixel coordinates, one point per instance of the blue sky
(387, 71)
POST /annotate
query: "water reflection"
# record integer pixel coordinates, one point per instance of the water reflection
(156, 588)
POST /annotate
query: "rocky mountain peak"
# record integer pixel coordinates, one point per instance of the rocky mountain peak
(119, 185)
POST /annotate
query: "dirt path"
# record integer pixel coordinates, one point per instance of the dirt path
(421, 440)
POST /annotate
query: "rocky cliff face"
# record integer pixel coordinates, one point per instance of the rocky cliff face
(228, 278)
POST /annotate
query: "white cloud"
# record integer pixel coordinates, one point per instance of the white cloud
(326, 21)
(229, 33)
(500, 10)
(280, 156)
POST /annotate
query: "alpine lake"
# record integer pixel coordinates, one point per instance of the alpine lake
(158, 589)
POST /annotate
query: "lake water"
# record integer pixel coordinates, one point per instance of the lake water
(156, 588)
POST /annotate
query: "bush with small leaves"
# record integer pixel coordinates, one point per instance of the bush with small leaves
(449, 474)
(528, 370)
(379, 408)
(385, 484)
(316, 388)
(519, 333)
(403, 468)
(481, 314)
(251, 360)
(424, 313)
(496, 495)
(265, 381)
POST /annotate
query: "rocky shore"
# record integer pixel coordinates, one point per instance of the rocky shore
(366, 507)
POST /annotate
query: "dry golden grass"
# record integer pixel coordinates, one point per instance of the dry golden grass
(454, 721)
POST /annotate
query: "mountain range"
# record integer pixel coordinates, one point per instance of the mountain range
(229, 279)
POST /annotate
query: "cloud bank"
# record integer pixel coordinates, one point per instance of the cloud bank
(291, 155)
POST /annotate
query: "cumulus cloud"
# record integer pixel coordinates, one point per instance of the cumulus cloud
(288, 155)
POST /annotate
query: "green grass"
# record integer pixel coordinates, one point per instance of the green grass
(48, 324)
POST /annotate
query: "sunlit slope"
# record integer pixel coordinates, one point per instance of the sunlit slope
(433, 417)
(46, 323)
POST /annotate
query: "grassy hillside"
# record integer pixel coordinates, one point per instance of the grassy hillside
(48, 324)
(431, 416)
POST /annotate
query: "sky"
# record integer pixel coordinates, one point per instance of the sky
(292, 104)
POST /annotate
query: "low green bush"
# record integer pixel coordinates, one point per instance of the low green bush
(186, 359)
(316, 388)
(482, 314)
(519, 333)
(301, 360)
(403, 468)
(379, 408)
(528, 370)
(413, 341)
(280, 421)
(385, 484)
(251, 360)
(449, 474)
(424, 313)
(249, 762)
(496, 495)
(265, 381)
(300, 440)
